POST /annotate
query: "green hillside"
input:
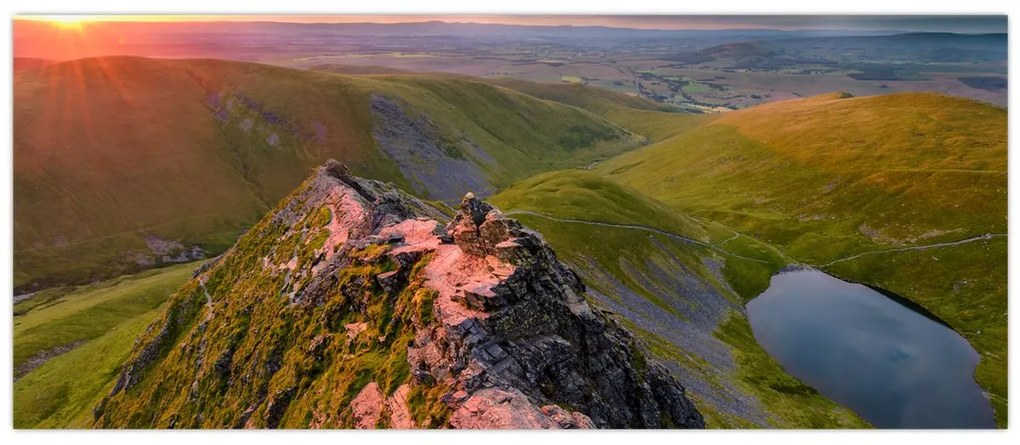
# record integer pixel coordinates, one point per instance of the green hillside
(70, 342)
(650, 119)
(832, 177)
(677, 294)
(253, 332)
(124, 163)
(653, 120)
(596, 100)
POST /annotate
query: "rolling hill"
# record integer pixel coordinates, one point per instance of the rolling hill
(857, 186)
(124, 163)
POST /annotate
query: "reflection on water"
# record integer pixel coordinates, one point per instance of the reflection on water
(893, 366)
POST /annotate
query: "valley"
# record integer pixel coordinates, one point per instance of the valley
(492, 231)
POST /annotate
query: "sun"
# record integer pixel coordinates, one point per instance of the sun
(66, 21)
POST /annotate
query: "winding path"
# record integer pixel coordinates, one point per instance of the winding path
(632, 227)
(208, 299)
(783, 253)
(984, 237)
(727, 240)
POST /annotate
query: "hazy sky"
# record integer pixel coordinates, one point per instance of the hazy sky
(973, 24)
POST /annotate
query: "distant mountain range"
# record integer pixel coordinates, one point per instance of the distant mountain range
(240, 40)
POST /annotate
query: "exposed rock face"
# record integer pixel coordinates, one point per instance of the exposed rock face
(437, 166)
(497, 408)
(367, 406)
(367, 311)
(517, 328)
(400, 413)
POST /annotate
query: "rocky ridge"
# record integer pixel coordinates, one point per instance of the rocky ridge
(354, 305)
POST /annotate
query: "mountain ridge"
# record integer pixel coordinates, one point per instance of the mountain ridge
(388, 319)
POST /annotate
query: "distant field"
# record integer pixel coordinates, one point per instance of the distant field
(58, 317)
(724, 82)
(754, 87)
(887, 74)
(988, 83)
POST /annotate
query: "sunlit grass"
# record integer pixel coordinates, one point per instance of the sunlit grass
(827, 177)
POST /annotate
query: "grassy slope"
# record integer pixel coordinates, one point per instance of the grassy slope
(88, 312)
(641, 116)
(652, 120)
(584, 196)
(523, 134)
(92, 168)
(828, 177)
(62, 392)
(111, 150)
(106, 317)
(572, 193)
(596, 100)
(576, 194)
(252, 334)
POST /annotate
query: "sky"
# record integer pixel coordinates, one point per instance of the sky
(967, 24)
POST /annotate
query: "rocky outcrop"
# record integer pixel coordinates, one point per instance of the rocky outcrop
(355, 305)
(514, 327)
(367, 407)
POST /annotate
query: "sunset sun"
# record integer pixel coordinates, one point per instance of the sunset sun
(67, 21)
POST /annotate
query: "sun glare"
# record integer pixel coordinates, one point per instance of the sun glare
(65, 21)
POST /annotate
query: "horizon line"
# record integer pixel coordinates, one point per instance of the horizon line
(725, 22)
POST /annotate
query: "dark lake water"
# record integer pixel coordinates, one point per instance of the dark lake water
(893, 366)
